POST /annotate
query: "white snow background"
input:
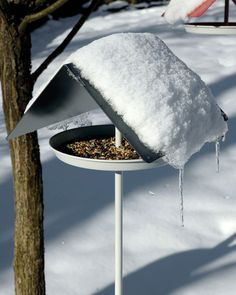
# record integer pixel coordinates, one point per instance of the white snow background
(160, 257)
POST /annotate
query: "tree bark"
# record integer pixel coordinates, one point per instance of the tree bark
(15, 67)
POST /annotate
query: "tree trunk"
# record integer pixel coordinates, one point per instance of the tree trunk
(15, 67)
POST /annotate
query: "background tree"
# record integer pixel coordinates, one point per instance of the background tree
(17, 83)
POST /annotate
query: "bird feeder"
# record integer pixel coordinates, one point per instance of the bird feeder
(159, 85)
(225, 27)
(67, 95)
(58, 143)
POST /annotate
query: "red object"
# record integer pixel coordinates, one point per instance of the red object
(202, 8)
(234, 1)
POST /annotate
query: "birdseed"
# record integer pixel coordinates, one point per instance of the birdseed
(103, 149)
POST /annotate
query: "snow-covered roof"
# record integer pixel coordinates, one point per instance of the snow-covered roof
(165, 103)
(156, 101)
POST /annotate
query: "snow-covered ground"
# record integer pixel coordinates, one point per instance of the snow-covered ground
(160, 257)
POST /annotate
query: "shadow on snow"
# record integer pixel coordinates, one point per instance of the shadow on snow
(71, 196)
(176, 271)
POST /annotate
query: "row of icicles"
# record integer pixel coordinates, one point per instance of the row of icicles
(181, 180)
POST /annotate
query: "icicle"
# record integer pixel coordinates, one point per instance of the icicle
(218, 156)
(181, 194)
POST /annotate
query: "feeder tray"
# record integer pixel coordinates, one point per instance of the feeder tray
(59, 141)
(211, 28)
(214, 28)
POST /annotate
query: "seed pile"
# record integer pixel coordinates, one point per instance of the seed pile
(103, 149)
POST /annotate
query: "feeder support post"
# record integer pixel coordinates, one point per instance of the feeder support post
(118, 138)
(118, 233)
(118, 223)
(226, 14)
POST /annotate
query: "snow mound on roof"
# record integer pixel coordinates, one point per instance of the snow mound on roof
(157, 95)
(179, 9)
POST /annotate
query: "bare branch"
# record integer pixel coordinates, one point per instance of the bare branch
(94, 4)
(5, 10)
(40, 2)
(38, 15)
(3, 4)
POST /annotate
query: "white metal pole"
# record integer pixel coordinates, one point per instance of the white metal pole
(118, 225)
(118, 138)
(118, 233)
